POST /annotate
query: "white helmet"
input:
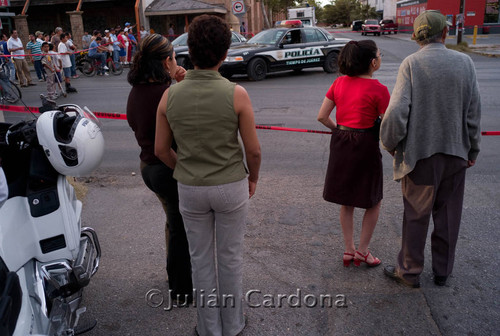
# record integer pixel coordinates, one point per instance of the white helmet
(72, 140)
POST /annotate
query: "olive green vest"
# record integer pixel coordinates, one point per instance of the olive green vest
(200, 111)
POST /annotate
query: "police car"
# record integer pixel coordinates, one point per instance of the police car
(181, 48)
(288, 47)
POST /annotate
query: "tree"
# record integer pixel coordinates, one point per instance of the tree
(279, 5)
(345, 11)
(364, 12)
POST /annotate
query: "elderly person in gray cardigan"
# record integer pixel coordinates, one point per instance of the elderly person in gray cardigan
(431, 127)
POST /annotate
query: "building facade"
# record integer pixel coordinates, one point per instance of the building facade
(390, 9)
(160, 14)
(481, 13)
(78, 16)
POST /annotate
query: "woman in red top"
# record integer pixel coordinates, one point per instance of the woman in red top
(354, 174)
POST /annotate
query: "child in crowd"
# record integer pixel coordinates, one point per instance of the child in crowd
(64, 51)
(51, 68)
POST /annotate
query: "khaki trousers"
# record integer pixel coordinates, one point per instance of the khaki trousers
(23, 72)
(435, 187)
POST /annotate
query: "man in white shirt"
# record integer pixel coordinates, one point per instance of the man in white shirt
(72, 48)
(86, 40)
(39, 37)
(144, 33)
(15, 46)
(64, 52)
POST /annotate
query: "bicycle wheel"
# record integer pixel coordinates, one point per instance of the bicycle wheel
(88, 69)
(115, 68)
(10, 92)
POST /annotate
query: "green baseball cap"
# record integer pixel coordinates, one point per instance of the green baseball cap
(428, 23)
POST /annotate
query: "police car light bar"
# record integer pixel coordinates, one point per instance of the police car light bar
(288, 24)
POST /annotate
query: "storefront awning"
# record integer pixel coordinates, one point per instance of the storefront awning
(181, 7)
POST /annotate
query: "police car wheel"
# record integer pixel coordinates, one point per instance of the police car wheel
(226, 75)
(184, 62)
(181, 61)
(257, 69)
(330, 65)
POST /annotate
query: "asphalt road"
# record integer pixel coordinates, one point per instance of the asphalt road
(293, 239)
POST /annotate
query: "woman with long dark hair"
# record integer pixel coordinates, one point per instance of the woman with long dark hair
(205, 113)
(150, 75)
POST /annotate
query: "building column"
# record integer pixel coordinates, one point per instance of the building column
(76, 20)
(21, 25)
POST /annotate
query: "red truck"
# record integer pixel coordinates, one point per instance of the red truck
(371, 27)
(388, 26)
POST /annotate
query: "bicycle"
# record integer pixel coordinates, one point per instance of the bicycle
(9, 91)
(88, 66)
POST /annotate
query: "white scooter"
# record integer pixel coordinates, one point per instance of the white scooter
(46, 257)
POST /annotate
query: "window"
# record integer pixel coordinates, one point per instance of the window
(491, 15)
(292, 37)
(314, 35)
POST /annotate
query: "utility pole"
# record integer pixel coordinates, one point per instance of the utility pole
(461, 21)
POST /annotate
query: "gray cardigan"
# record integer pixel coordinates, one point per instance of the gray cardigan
(434, 108)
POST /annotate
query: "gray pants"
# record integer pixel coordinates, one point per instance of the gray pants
(214, 218)
(435, 187)
(51, 84)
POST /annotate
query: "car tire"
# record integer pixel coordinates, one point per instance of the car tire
(181, 61)
(257, 69)
(395, 32)
(226, 75)
(184, 62)
(330, 65)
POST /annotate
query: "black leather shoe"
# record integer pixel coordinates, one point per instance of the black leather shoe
(390, 271)
(440, 280)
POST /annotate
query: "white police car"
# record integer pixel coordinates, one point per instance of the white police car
(289, 47)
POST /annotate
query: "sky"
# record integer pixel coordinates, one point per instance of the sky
(324, 2)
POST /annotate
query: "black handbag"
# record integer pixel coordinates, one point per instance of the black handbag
(376, 128)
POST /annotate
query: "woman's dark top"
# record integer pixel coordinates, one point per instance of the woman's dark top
(142, 104)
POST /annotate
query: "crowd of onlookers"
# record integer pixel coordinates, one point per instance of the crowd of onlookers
(55, 63)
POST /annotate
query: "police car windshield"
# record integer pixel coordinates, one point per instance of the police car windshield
(270, 36)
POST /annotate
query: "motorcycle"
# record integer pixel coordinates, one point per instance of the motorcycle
(46, 257)
(89, 66)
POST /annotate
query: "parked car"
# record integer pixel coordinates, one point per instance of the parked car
(371, 26)
(181, 48)
(388, 26)
(356, 25)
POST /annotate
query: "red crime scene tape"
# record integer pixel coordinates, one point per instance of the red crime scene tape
(122, 116)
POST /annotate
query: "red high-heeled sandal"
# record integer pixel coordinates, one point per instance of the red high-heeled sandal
(347, 262)
(358, 261)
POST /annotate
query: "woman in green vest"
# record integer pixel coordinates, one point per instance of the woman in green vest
(204, 113)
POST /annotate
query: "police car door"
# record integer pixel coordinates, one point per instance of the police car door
(293, 51)
(317, 46)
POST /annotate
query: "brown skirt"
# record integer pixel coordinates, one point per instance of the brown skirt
(354, 175)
